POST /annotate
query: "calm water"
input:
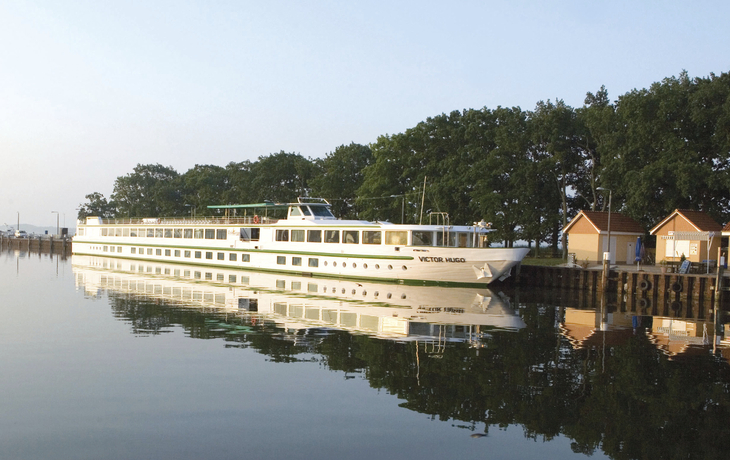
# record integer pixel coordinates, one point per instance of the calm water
(116, 359)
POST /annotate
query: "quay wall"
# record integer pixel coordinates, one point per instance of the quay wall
(61, 246)
(689, 296)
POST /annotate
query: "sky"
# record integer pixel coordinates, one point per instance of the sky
(90, 89)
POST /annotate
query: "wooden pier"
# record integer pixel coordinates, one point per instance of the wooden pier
(689, 296)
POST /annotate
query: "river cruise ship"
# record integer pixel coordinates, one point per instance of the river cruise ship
(306, 239)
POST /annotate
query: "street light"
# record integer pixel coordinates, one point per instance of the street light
(609, 220)
(57, 230)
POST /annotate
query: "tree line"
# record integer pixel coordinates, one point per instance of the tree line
(656, 149)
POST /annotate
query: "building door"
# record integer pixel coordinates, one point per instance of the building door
(631, 253)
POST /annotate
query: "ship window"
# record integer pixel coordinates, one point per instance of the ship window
(294, 211)
(313, 262)
(244, 280)
(126, 232)
(118, 232)
(281, 260)
(321, 211)
(196, 275)
(81, 231)
(250, 233)
(149, 251)
(219, 277)
(177, 233)
(150, 233)
(233, 257)
(198, 233)
(282, 235)
(208, 276)
(220, 234)
(231, 278)
(198, 254)
(133, 232)
(350, 236)
(167, 252)
(119, 249)
(104, 232)
(158, 233)
(141, 250)
(245, 258)
(177, 253)
(331, 236)
(209, 255)
(422, 238)
(187, 253)
(297, 235)
(296, 285)
(209, 233)
(396, 237)
(311, 287)
(314, 236)
(221, 256)
(133, 250)
(187, 233)
(306, 211)
(168, 233)
(158, 252)
(370, 237)
(296, 261)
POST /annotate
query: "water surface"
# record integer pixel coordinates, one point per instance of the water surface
(107, 358)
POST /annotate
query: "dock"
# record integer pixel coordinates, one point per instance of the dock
(40, 244)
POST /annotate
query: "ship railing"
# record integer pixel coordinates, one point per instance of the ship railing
(188, 221)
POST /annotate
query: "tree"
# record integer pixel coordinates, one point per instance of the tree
(96, 205)
(150, 191)
(339, 175)
(281, 177)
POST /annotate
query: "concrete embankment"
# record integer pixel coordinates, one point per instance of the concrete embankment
(38, 244)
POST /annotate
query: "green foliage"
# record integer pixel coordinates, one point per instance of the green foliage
(96, 205)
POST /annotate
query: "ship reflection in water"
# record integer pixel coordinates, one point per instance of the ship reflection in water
(304, 306)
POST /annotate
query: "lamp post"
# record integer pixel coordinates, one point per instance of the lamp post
(609, 220)
(57, 230)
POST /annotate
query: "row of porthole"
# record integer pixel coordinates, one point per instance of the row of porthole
(376, 294)
(365, 266)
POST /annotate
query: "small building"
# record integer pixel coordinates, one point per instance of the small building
(693, 234)
(588, 237)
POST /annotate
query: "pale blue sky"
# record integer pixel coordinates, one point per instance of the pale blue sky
(89, 89)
